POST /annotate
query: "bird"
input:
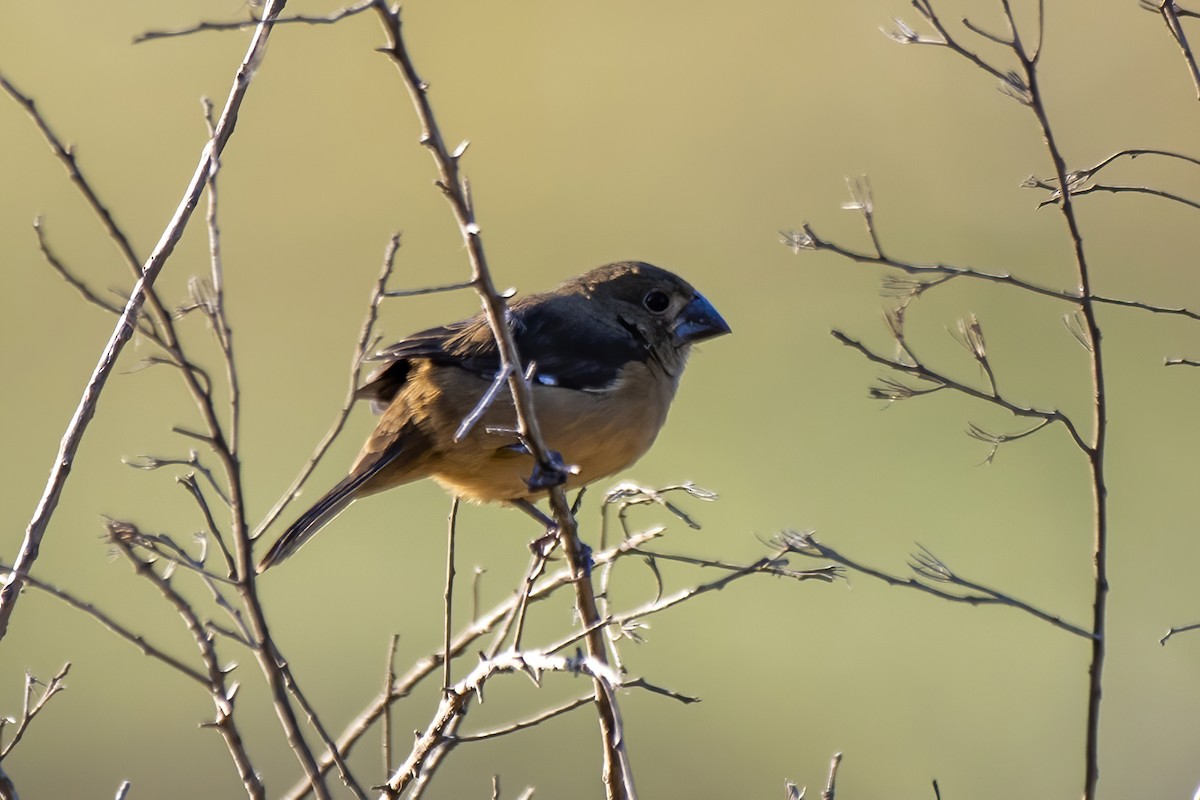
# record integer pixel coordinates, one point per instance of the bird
(604, 352)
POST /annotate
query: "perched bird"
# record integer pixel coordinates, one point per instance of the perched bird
(608, 348)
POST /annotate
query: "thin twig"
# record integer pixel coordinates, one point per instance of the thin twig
(520, 725)
(1023, 84)
(144, 326)
(931, 569)
(449, 287)
(805, 238)
(1112, 189)
(1181, 629)
(1131, 153)
(920, 371)
(193, 460)
(1171, 13)
(125, 536)
(330, 746)
(831, 784)
(480, 626)
(200, 27)
(365, 336)
(189, 483)
(517, 621)
(215, 307)
(448, 596)
(31, 707)
(389, 680)
(455, 700)
(136, 639)
(642, 683)
(1096, 449)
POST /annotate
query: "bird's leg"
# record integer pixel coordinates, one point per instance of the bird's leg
(529, 508)
(544, 543)
(553, 473)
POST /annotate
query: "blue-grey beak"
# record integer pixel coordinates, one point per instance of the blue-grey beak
(698, 321)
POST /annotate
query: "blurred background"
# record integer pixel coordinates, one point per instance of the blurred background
(687, 136)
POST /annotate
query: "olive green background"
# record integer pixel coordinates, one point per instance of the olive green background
(686, 135)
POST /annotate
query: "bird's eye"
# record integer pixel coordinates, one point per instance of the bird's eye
(656, 301)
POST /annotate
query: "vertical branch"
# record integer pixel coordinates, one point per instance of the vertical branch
(216, 309)
(617, 773)
(1169, 11)
(831, 783)
(1095, 450)
(389, 680)
(451, 526)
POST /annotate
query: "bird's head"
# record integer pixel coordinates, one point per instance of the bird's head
(659, 308)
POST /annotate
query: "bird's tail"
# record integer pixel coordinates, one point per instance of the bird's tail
(324, 510)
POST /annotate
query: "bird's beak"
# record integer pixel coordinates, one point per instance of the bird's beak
(698, 321)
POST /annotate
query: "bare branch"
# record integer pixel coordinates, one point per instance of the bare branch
(1181, 629)
(806, 239)
(449, 287)
(200, 27)
(148, 273)
(136, 639)
(922, 372)
(448, 595)
(193, 461)
(618, 777)
(925, 8)
(933, 571)
(830, 785)
(480, 626)
(1171, 12)
(144, 326)
(389, 680)
(330, 746)
(524, 724)
(213, 300)
(32, 707)
(365, 336)
(454, 702)
(125, 536)
(1056, 195)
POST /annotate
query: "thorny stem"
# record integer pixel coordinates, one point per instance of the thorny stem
(198, 386)
(125, 537)
(1096, 450)
(1024, 86)
(1086, 301)
(1170, 13)
(618, 778)
(141, 294)
(364, 343)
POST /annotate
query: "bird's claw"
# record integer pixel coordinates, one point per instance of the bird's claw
(550, 474)
(585, 558)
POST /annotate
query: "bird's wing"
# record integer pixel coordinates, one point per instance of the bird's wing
(383, 383)
(571, 347)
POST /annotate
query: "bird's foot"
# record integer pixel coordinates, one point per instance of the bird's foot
(585, 558)
(550, 474)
